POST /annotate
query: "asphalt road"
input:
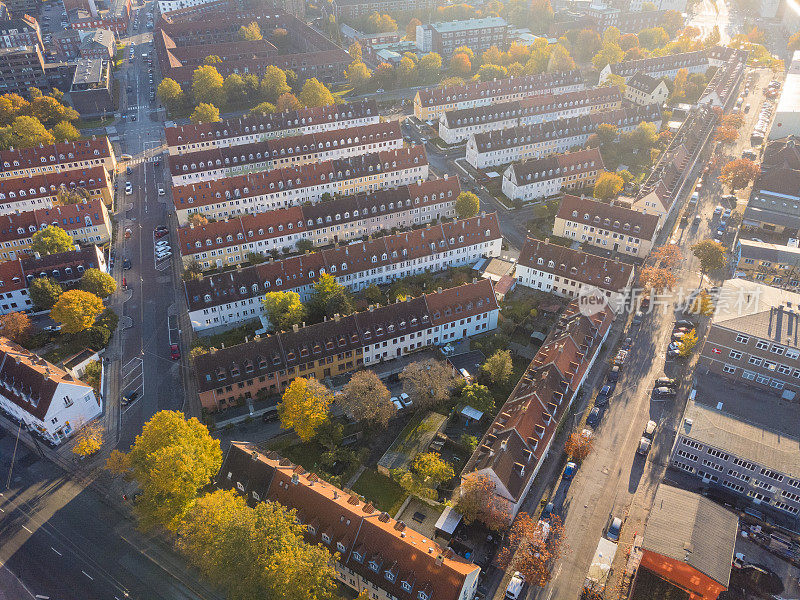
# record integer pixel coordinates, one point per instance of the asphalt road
(60, 541)
(145, 362)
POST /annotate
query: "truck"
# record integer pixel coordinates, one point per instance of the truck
(600, 567)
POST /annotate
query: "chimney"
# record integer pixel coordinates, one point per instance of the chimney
(438, 290)
(439, 559)
(295, 328)
(540, 429)
(520, 469)
(474, 280)
(336, 317)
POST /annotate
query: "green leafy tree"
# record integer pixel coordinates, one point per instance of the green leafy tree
(406, 72)
(711, 255)
(205, 113)
(284, 309)
(314, 93)
(44, 292)
(607, 186)
(207, 86)
(51, 240)
(366, 398)
(653, 38)
(587, 44)
(498, 367)
(250, 32)
(304, 406)
(609, 54)
(478, 397)
(328, 298)
(492, 72)
(171, 460)
(540, 16)
(25, 132)
(428, 382)
(431, 469)
(273, 83)
(64, 131)
(374, 295)
(560, 59)
(672, 22)
(98, 283)
(430, 66)
(467, 205)
(263, 108)
(358, 74)
(170, 94)
(76, 310)
(235, 89)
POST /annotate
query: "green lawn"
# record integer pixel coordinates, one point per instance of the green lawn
(229, 338)
(384, 493)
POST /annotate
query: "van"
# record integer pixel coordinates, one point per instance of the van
(515, 586)
(465, 374)
(125, 157)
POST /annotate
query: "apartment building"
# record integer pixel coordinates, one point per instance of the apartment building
(13, 288)
(477, 34)
(567, 273)
(22, 67)
(544, 177)
(458, 125)
(235, 296)
(22, 31)
(46, 398)
(515, 445)
(249, 129)
(384, 558)
(660, 66)
(644, 90)
(772, 264)
(258, 192)
(787, 112)
(606, 226)
(741, 444)
(430, 103)
(63, 267)
(774, 203)
(60, 157)
(284, 152)
(340, 220)
(505, 146)
(353, 9)
(344, 343)
(86, 223)
(25, 194)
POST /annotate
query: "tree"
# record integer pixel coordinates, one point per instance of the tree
(366, 398)
(64, 131)
(609, 54)
(117, 463)
(304, 406)
(739, 173)
(377, 23)
(44, 292)
(658, 278)
(587, 44)
(384, 76)
(411, 29)
(406, 72)
(477, 501)
(328, 298)
(314, 93)
(492, 72)
(608, 185)
(653, 38)
(26, 132)
(207, 86)
(628, 41)
(578, 446)
(711, 255)
(49, 111)
(431, 469)
(250, 32)
(430, 66)
(607, 134)
(478, 397)
(532, 547)
(98, 283)
(498, 367)
(198, 219)
(794, 42)
(702, 304)
(373, 294)
(355, 52)
(91, 375)
(540, 16)
(428, 382)
(560, 59)
(304, 245)
(284, 309)
(735, 120)
(688, 342)
(212, 60)
(726, 135)
(76, 310)
(467, 205)
(235, 89)
(358, 74)
(16, 326)
(713, 38)
(273, 83)
(672, 22)
(205, 113)
(287, 101)
(51, 240)
(492, 56)
(88, 439)
(170, 94)
(263, 108)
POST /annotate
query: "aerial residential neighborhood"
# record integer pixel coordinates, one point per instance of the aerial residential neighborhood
(380, 300)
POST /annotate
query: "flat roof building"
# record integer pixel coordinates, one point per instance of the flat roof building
(787, 113)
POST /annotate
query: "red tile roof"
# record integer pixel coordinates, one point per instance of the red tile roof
(461, 302)
(45, 185)
(611, 217)
(53, 154)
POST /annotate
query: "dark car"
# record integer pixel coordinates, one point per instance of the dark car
(126, 264)
(569, 470)
(128, 170)
(594, 417)
(666, 382)
(549, 511)
(128, 398)
(613, 374)
(604, 394)
(663, 392)
(684, 323)
(270, 415)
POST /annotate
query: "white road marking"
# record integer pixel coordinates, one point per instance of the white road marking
(40, 597)
(87, 575)
(56, 551)
(26, 529)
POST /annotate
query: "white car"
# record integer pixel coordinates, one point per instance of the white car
(161, 191)
(396, 403)
(128, 189)
(406, 400)
(163, 255)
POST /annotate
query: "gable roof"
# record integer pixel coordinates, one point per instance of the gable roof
(556, 165)
(644, 83)
(690, 528)
(611, 216)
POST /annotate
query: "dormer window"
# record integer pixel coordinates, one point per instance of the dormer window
(341, 547)
(373, 564)
(358, 557)
(311, 529)
(406, 585)
(326, 538)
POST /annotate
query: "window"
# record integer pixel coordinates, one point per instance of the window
(749, 375)
(762, 345)
(692, 444)
(728, 369)
(771, 474)
(742, 339)
(717, 454)
(735, 355)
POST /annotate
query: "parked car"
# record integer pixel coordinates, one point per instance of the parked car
(270, 415)
(128, 188)
(126, 263)
(614, 528)
(613, 374)
(626, 345)
(549, 511)
(514, 589)
(159, 233)
(667, 382)
(397, 404)
(406, 400)
(594, 417)
(569, 470)
(650, 430)
(684, 323)
(644, 446)
(664, 392)
(604, 394)
(53, 328)
(128, 398)
(174, 352)
(637, 318)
